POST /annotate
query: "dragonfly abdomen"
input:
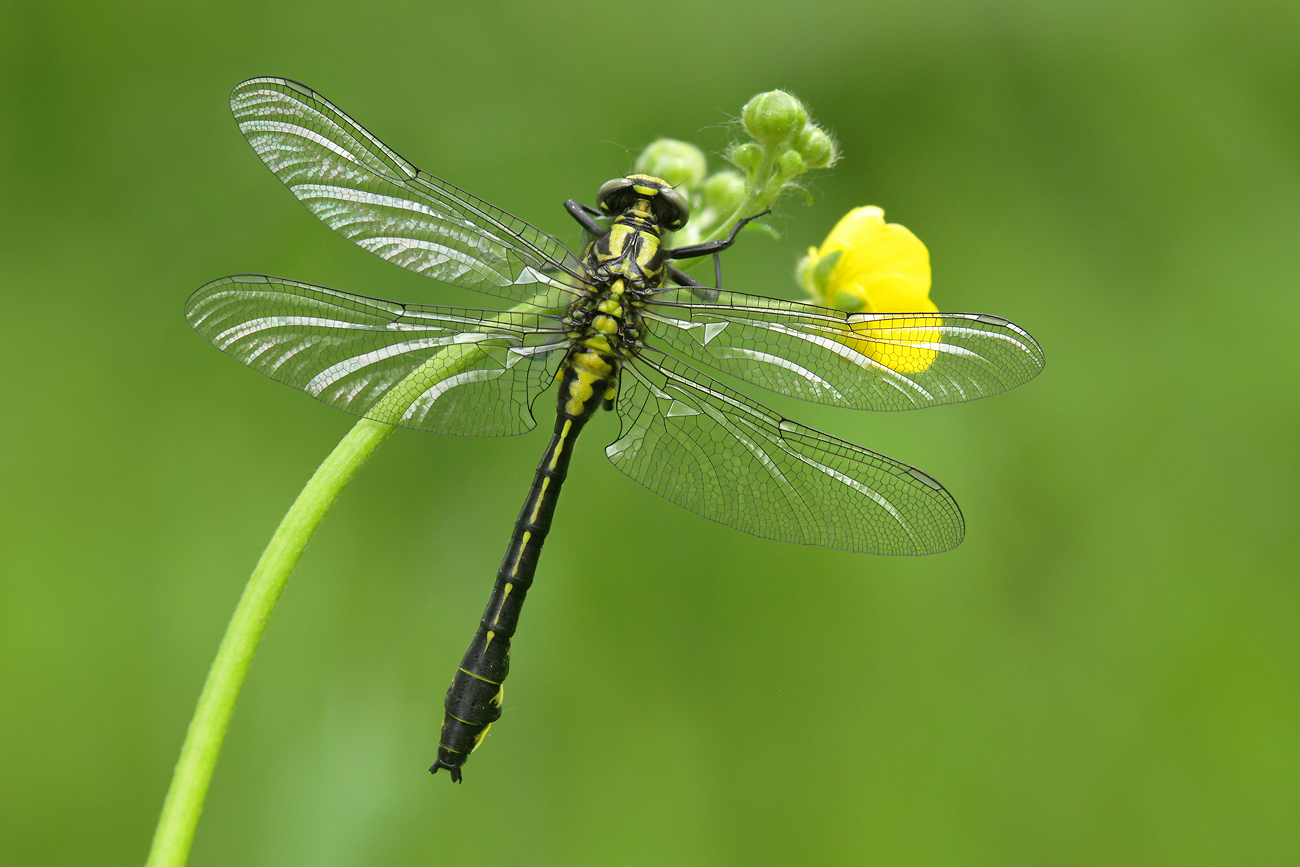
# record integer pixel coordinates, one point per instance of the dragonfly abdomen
(473, 702)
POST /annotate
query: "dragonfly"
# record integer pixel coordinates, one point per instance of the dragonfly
(619, 327)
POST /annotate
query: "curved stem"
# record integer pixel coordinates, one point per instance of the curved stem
(180, 813)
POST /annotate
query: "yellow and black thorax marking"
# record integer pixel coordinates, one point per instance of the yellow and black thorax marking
(626, 264)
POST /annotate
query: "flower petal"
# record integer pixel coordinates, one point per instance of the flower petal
(882, 268)
(890, 266)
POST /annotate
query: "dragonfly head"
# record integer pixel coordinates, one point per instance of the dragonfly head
(669, 206)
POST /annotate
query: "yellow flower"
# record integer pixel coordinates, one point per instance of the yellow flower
(869, 266)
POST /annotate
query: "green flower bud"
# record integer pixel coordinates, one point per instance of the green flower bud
(774, 118)
(816, 146)
(677, 162)
(745, 156)
(724, 191)
(790, 163)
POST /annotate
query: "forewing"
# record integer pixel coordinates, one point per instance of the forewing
(362, 189)
(440, 369)
(705, 447)
(860, 360)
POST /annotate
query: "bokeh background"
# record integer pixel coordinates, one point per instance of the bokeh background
(1105, 672)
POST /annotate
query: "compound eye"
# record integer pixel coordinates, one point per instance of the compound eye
(677, 211)
(611, 189)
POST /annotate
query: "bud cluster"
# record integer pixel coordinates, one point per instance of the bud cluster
(782, 132)
(783, 145)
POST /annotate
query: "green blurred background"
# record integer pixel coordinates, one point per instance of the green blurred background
(1105, 672)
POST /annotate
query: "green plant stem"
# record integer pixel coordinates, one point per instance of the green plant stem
(761, 190)
(180, 813)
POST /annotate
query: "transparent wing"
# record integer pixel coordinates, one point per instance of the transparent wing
(705, 447)
(860, 360)
(363, 190)
(441, 369)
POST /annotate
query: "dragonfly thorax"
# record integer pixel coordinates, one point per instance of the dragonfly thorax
(632, 250)
(643, 208)
(625, 265)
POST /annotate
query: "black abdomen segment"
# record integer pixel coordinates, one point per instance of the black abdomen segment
(473, 702)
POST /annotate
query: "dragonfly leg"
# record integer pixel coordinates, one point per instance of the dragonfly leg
(585, 215)
(690, 252)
